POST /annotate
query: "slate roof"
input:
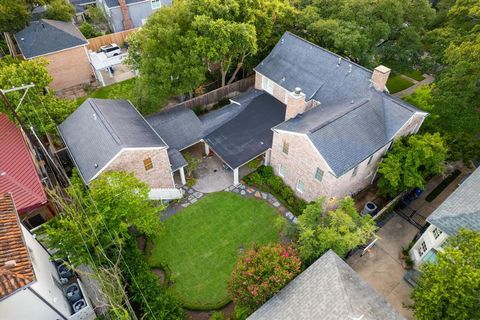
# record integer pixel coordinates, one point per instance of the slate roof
(47, 36)
(329, 290)
(12, 248)
(18, 174)
(461, 209)
(353, 120)
(100, 128)
(249, 133)
(177, 160)
(115, 3)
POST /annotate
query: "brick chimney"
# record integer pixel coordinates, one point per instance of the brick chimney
(379, 77)
(127, 21)
(295, 103)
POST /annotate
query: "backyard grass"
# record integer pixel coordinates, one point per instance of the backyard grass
(414, 74)
(201, 243)
(397, 83)
(120, 90)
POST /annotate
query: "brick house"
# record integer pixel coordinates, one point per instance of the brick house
(111, 135)
(340, 119)
(63, 46)
(320, 120)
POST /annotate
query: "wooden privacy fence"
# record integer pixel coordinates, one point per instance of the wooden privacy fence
(216, 95)
(118, 37)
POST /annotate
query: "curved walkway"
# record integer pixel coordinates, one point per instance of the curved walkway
(192, 196)
(428, 79)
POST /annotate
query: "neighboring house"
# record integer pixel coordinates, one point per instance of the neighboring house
(340, 119)
(30, 285)
(328, 289)
(63, 46)
(321, 121)
(128, 14)
(20, 175)
(460, 210)
(111, 135)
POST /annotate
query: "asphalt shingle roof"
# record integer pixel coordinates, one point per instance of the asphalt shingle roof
(177, 160)
(115, 3)
(249, 133)
(353, 120)
(47, 36)
(461, 209)
(14, 249)
(100, 128)
(329, 290)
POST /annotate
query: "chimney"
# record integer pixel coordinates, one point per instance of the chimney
(379, 77)
(127, 21)
(296, 103)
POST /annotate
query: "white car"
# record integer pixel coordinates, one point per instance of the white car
(111, 50)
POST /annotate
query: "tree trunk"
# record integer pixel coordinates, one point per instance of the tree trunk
(239, 66)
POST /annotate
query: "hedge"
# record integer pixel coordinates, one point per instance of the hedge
(442, 185)
(264, 179)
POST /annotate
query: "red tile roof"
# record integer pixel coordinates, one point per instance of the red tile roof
(18, 272)
(18, 174)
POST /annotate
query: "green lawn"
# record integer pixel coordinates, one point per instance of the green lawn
(414, 74)
(201, 243)
(397, 83)
(120, 90)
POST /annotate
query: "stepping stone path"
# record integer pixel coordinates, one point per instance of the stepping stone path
(192, 196)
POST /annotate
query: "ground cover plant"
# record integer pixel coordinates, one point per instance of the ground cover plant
(398, 83)
(201, 243)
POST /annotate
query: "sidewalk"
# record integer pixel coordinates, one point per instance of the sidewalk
(428, 79)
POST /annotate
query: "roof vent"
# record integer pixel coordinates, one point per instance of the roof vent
(350, 68)
(283, 41)
(298, 90)
(351, 102)
(10, 264)
(94, 116)
(339, 61)
(95, 165)
(283, 79)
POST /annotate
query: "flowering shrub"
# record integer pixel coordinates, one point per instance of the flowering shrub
(261, 272)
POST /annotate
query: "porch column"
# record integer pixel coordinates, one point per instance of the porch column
(235, 177)
(182, 176)
(207, 149)
(268, 154)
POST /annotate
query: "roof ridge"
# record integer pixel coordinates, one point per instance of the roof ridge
(360, 104)
(105, 122)
(20, 185)
(49, 22)
(328, 51)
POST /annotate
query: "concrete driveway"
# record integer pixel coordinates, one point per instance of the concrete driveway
(382, 267)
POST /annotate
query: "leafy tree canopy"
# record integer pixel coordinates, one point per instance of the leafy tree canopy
(60, 10)
(14, 15)
(450, 288)
(368, 31)
(40, 109)
(97, 219)
(261, 272)
(410, 161)
(341, 230)
(181, 44)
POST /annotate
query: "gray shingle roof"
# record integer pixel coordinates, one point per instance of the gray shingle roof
(461, 209)
(99, 129)
(115, 3)
(179, 127)
(249, 133)
(353, 120)
(329, 290)
(48, 36)
(177, 160)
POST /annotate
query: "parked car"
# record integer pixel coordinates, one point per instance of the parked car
(111, 50)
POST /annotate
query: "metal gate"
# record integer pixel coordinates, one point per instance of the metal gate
(409, 214)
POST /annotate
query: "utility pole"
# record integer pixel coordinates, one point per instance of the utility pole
(33, 140)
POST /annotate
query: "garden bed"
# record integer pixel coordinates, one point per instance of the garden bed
(442, 185)
(263, 179)
(200, 245)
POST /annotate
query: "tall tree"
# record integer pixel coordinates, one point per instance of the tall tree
(450, 287)
(60, 10)
(341, 230)
(40, 109)
(411, 160)
(14, 15)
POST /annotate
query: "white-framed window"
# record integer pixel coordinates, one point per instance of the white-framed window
(285, 147)
(319, 174)
(354, 172)
(281, 171)
(370, 160)
(422, 248)
(436, 232)
(156, 4)
(300, 186)
(267, 85)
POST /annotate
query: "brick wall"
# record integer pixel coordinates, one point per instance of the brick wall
(69, 68)
(160, 176)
